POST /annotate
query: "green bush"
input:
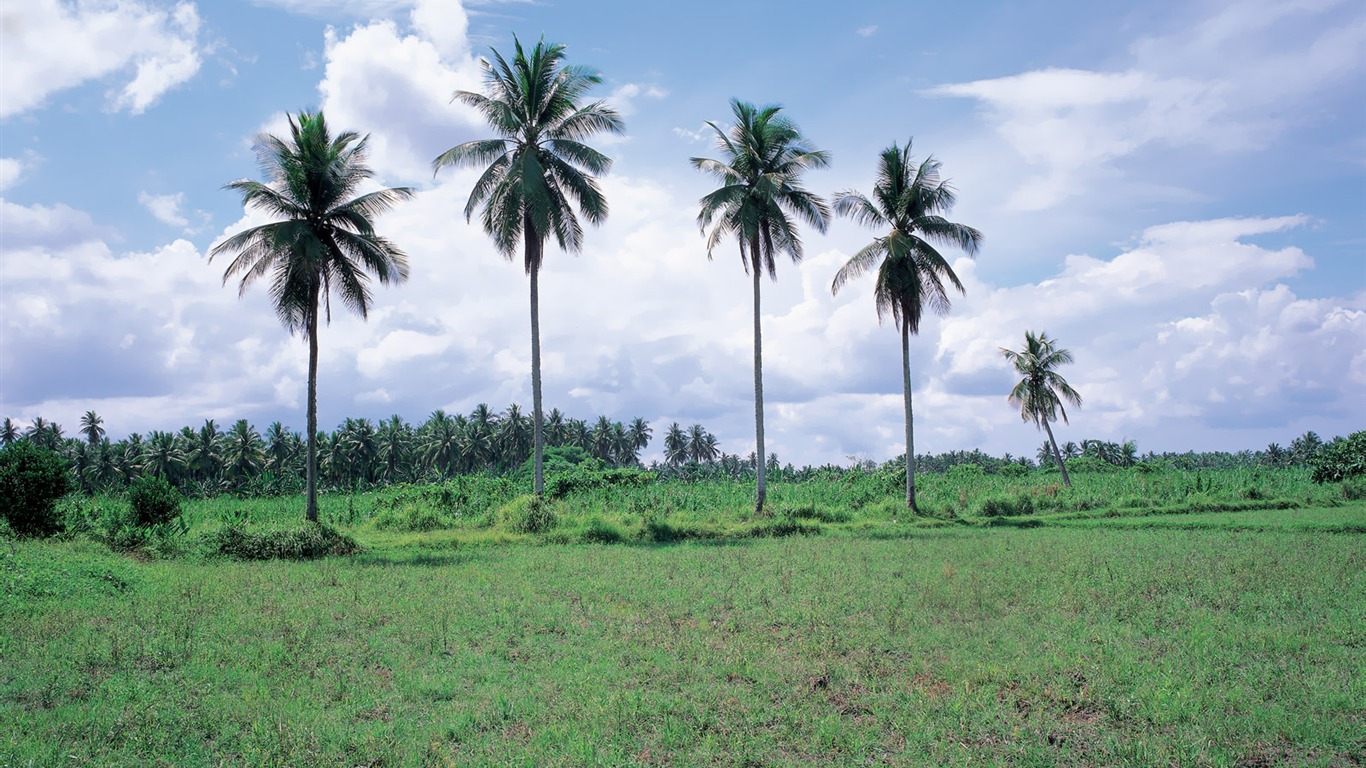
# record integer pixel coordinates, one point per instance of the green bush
(1340, 459)
(305, 542)
(1014, 470)
(411, 518)
(1354, 489)
(153, 501)
(1007, 506)
(590, 475)
(600, 531)
(32, 479)
(528, 514)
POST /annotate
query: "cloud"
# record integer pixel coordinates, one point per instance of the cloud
(867, 31)
(623, 97)
(48, 46)
(1230, 83)
(397, 88)
(11, 172)
(165, 208)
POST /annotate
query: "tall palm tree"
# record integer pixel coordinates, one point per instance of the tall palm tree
(909, 203)
(538, 168)
(9, 433)
(763, 159)
(324, 239)
(1041, 390)
(92, 426)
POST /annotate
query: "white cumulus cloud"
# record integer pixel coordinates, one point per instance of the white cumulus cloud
(48, 46)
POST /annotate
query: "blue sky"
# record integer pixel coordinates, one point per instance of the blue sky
(1176, 191)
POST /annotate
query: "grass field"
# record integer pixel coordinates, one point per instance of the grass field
(951, 647)
(1108, 634)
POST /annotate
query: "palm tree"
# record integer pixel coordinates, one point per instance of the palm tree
(92, 426)
(675, 444)
(639, 434)
(9, 433)
(763, 158)
(1041, 390)
(244, 452)
(909, 202)
(324, 239)
(537, 170)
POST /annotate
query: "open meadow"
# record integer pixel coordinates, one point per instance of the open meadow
(1138, 619)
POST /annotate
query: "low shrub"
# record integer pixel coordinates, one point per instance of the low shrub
(1014, 470)
(1007, 506)
(32, 479)
(527, 514)
(413, 518)
(153, 501)
(304, 542)
(813, 512)
(1354, 489)
(600, 531)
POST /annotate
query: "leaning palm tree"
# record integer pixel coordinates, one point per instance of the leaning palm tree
(763, 159)
(909, 203)
(1041, 390)
(538, 169)
(323, 240)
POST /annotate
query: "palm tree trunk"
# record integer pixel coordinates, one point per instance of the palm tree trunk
(910, 417)
(1067, 481)
(311, 509)
(538, 442)
(761, 486)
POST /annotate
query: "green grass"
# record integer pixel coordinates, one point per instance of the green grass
(953, 646)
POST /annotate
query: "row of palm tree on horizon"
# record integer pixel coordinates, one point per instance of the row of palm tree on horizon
(538, 179)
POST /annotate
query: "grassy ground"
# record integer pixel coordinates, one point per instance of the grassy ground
(1235, 640)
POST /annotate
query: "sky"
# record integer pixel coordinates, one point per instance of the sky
(1175, 191)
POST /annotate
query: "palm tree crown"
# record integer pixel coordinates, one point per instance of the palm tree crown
(324, 239)
(763, 158)
(1041, 390)
(909, 202)
(538, 168)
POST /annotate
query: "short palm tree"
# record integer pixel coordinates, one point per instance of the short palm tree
(1041, 390)
(763, 158)
(537, 171)
(324, 239)
(909, 202)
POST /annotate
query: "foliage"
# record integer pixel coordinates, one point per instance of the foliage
(32, 479)
(1340, 459)
(591, 475)
(527, 514)
(153, 501)
(301, 542)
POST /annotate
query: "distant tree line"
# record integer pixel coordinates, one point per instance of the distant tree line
(362, 454)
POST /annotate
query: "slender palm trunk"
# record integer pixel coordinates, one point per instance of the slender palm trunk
(311, 509)
(910, 418)
(761, 486)
(1067, 481)
(538, 441)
